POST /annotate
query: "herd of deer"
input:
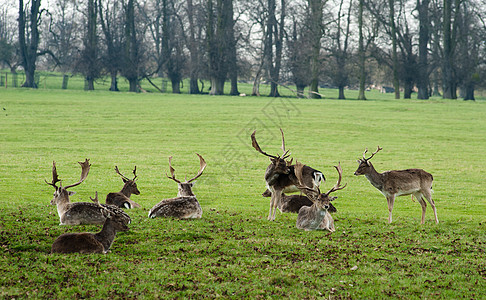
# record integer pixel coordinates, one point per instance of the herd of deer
(281, 176)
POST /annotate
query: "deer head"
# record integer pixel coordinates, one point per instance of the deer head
(321, 200)
(278, 163)
(130, 184)
(185, 188)
(61, 193)
(364, 163)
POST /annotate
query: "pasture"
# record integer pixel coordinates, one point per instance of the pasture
(233, 251)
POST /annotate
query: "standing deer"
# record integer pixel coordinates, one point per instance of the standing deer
(185, 205)
(394, 183)
(316, 216)
(92, 242)
(79, 212)
(280, 177)
(122, 198)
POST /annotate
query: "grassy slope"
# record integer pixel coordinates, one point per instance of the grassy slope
(233, 250)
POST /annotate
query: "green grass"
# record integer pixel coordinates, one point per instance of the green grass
(233, 251)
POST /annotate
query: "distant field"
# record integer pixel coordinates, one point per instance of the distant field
(233, 251)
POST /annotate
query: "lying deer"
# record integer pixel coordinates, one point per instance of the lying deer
(92, 242)
(316, 216)
(394, 183)
(79, 212)
(280, 177)
(122, 198)
(293, 203)
(185, 205)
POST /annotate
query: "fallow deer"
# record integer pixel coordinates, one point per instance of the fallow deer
(280, 177)
(316, 216)
(416, 182)
(78, 213)
(185, 205)
(122, 198)
(92, 242)
(293, 203)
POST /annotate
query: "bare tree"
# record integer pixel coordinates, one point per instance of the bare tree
(29, 21)
(111, 21)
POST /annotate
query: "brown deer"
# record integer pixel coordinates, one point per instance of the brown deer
(92, 242)
(280, 177)
(316, 216)
(122, 198)
(79, 212)
(415, 182)
(293, 203)
(185, 205)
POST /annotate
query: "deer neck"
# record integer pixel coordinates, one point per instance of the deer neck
(126, 190)
(107, 235)
(375, 178)
(63, 204)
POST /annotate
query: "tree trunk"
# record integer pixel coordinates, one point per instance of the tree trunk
(316, 33)
(194, 53)
(176, 86)
(469, 91)
(89, 52)
(423, 68)
(300, 91)
(341, 92)
(449, 33)
(361, 54)
(114, 81)
(29, 40)
(396, 82)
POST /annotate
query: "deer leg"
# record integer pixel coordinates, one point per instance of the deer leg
(428, 196)
(391, 200)
(420, 199)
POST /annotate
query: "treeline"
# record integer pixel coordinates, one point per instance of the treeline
(432, 47)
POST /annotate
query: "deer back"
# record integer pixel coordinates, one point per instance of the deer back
(403, 182)
(179, 207)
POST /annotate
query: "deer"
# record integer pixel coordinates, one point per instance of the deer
(292, 203)
(77, 213)
(316, 216)
(185, 205)
(92, 242)
(122, 198)
(280, 177)
(415, 182)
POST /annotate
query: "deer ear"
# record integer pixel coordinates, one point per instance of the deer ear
(70, 193)
(124, 180)
(333, 198)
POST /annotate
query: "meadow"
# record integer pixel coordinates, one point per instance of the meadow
(233, 251)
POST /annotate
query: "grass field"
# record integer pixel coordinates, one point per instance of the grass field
(233, 251)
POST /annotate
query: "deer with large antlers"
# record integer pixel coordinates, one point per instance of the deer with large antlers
(280, 177)
(92, 242)
(185, 205)
(394, 183)
(78, 212)
(316, 216)
(122, 198)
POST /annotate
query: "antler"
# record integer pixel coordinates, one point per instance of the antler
(134, 173)
(257, 147)
(285, 154)
(123, 176)
(85, 166)
(338, 186)
(55, 178)
(95, 200)
(118, 172)
(203, 165)
(172, 171)
(373, 154)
